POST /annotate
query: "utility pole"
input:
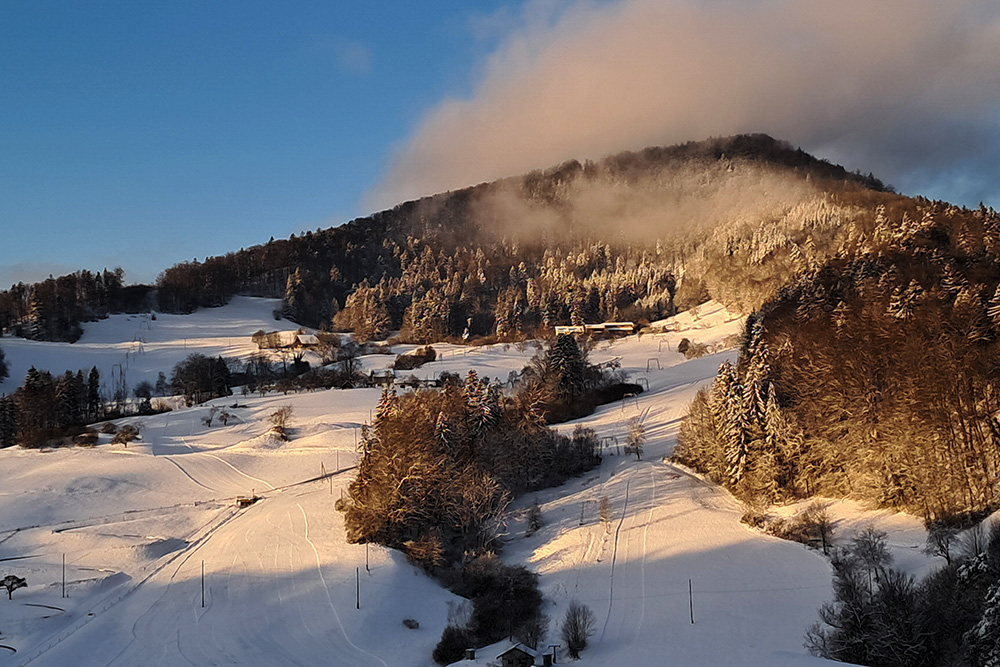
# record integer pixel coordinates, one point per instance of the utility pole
(203, 584)
(691, 601)
(367, 569)
(357, 573)
(64, 576)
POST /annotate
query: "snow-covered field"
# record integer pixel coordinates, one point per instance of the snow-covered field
(162, 567)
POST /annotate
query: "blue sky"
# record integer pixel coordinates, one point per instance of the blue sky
(140, 134)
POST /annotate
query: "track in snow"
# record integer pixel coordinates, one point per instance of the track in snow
(268, 593)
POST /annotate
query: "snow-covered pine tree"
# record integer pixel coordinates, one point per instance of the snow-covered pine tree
(725, 396)
(566, 359)
(774, 466)
(442, 429)
(983, 639)
(291, 304)
(8, 422)
(993, 308)
(386, 405)
(747, 411)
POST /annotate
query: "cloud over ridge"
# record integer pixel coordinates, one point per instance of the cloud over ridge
(909, 89)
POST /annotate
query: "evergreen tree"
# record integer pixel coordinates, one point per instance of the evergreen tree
(387, 405)
(67, 401)
(993, 308)
(292, 303)
(443, 430)
(162, 386)
(984, 638)
(35, 406)
(93, 395)
(8, 422)
(566, 359)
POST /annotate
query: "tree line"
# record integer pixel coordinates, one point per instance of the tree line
(437, 267)
(54, 308)
(46, 406)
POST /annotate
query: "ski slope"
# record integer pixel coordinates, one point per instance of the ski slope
(138, 526)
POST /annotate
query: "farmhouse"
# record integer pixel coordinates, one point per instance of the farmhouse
(615, 328)
(521, 655)
(277, 340)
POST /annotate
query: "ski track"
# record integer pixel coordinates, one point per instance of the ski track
(256, 479)
(645, 535)
(128, 594)
(123, 657)
(188, 475)
(614, 558)
(623, 623)
(329, 598)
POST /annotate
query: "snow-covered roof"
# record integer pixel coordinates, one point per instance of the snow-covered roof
(524, 649)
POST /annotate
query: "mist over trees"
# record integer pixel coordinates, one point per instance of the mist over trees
(634, 236)
(630, 237)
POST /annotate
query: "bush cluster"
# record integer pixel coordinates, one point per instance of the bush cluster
(882, 617)
(415, 359)
(506, 602)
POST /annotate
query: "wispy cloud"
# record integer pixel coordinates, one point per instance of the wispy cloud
(353, 57)
(350, 57)
(909, 89)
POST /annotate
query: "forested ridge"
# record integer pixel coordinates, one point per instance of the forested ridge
(633, 236)
(873, 375)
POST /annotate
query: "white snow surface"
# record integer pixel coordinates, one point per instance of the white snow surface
(162, 567)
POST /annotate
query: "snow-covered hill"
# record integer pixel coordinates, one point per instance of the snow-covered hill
(163, 568)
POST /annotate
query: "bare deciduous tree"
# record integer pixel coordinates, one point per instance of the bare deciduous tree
(941, 540)
(636, 436)
(606, 513)
(12, 583)
(280, 419)
(577, 628)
